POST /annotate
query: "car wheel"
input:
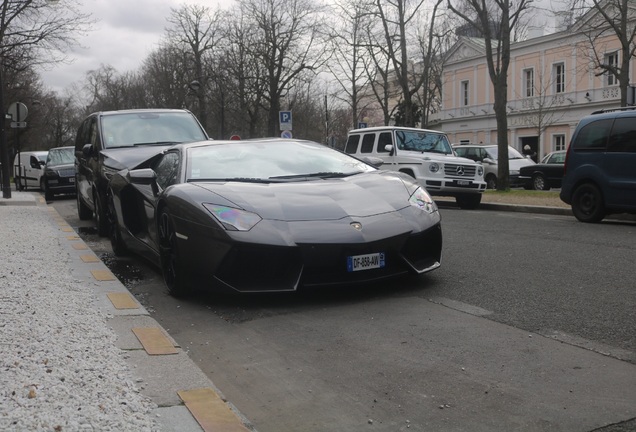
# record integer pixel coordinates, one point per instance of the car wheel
(171, 264)
(83, 211)
(48, 195)
(116, 240)
(491, 182)
(587, 203)
(539, 183)
(468, 201)
(101, 218)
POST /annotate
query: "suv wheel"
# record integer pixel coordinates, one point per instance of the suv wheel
(468, 201)
(491, 182)
(101, 218)
(83, 211)
(587, 203)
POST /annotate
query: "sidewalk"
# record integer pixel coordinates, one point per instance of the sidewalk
(77, 351)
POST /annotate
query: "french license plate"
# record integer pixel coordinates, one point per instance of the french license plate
(463, 182)
(71, 179)
(365, 262)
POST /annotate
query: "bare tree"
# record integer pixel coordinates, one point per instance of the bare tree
(496, 21)
(287, 42)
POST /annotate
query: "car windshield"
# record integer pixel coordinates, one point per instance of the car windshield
(269, 161)
(147, 128)
(493, 153)
(423, 141)
(60, 156)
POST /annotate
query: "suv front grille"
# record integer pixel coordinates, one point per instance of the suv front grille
(459, 170)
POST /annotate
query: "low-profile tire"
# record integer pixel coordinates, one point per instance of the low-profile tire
(491, 182)
(174, 274)
(101, 218)
(116, 240)
(588, 204)
(83, 211)
(539, 182)
(468, 201)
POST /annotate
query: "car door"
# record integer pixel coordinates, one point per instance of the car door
(85, 166)
(619, 162)
(33, 170)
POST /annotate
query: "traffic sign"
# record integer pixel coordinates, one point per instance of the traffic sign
(18, 125)
(18, 111)
(285, 119)
(362, 125)
(286, 134)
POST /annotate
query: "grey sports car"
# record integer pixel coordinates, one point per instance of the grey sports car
(271, 215)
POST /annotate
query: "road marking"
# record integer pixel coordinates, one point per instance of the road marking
(79, 246)
(154, 341)
(211, 411)
(89, 258)
(67, 229)
(103, 275)
(72, 238)
(123, 301)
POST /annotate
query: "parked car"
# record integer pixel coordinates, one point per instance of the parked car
(113, 140)
(28, 167)
(548, 173)
(59, 172)
(425, 155)
(271, 215)
(600, 173)
(488, 155)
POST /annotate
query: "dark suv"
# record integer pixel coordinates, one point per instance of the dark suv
(600, 166)
(110, 141)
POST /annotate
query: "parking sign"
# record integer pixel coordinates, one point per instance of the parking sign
(285, 119)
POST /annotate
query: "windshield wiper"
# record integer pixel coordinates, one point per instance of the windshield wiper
(324, 175)
(155, 143)
(230, 179)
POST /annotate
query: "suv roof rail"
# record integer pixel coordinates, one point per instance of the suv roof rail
(614, 109)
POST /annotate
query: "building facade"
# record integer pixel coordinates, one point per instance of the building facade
(552, 83)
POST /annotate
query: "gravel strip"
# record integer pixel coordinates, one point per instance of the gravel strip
(59, 367)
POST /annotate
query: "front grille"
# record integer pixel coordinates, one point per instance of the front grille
(459, 170)
(66, 173)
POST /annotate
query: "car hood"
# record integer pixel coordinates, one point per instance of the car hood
(515, 164)
(358, 196)
(129, 157)
(60, 167)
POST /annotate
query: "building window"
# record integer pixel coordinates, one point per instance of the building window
(611, 60)
(528, 82)
(464, 89)
(559, 78)
(559, 142)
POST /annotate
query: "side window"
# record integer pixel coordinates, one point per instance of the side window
(623, 136)
(33, 161)
(384, 140)
(352, 144)
(82, 135)
(167, 169)
(593, 136)
(367, 143)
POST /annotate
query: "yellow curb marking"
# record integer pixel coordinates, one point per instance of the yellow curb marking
(89, 258)
(103, 275)
(67, 229)
(72, 238)
(210, 411)
(154, 340)
(79, 246)
(123, 301)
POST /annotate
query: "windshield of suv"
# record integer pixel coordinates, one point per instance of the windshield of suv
(147, 128)
(269, 161)
(423, 141)
(60, 156)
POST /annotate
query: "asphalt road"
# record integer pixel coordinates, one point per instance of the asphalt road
(529, 325)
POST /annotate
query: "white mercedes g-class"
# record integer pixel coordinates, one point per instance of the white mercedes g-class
(425, 155)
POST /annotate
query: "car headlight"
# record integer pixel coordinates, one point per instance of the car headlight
(233, 219)
(422, 200)
(433, 167)
(480, 170)
(514, 172)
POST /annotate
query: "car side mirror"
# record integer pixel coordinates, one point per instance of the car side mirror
(489, 161)
(146, 177)
(389, 148)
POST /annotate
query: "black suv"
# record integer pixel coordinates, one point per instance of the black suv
(600, 165)
(110, 141)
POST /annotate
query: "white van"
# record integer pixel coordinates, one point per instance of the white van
(28, 168)
(425, 155)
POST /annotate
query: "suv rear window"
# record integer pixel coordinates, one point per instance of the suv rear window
(367, 143)
(593, 136)
(623, 137)
(352, 144)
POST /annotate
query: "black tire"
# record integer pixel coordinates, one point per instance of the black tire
(101, 218)
(42, 185)
(539, 182)
(174, 274)
(491, 182)
(468, 201)
(588, 204)
(116, 240)
(83, 211)
(48, 195)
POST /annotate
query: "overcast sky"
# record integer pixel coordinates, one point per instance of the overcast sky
(126, 32)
